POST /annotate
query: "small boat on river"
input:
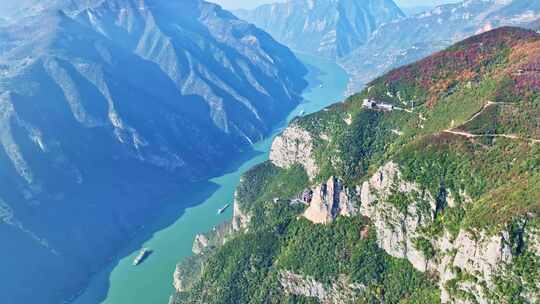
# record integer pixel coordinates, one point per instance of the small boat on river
(222, 209)
(143, 254)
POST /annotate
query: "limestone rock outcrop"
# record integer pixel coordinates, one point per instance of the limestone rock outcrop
(294, 146)
(396, 224)
(329, 200)
(199, 244)
(399, 210)
(240, 219)
(177, 280)
(341, 291)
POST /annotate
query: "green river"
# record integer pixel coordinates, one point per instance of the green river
(151, 282)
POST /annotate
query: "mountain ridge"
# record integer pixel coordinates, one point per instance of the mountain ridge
(422, 188)
(414, 37)
(326, 28)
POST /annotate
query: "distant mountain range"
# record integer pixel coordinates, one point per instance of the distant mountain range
(413, 10)
(535, 25)
(412, 38)
(330, 28)
(106, 107)
(371, 37)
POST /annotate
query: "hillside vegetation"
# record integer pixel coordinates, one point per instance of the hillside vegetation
(442, 169)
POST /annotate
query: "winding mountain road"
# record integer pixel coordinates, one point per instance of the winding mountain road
(510, 136)
(471, 135)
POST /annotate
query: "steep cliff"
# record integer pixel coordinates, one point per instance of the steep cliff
(294, 146)
(108, 107)
(426, 189)
(468, 262)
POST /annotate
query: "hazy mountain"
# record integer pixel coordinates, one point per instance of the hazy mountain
(414, 37)
(413, 10)
(324, 27)
(534, 25)
(108, 106)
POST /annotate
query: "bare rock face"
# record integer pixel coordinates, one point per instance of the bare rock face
(177, 280)
(399, 210)
(294, 146)
(396, 225)
(329, 200)
(532, 239)
(240, 219)
(481, 255)
(184, 276)
(199, 244)
(340, 291)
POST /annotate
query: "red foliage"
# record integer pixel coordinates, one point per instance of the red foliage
(526, 75)
(529, 82)
(464, 61)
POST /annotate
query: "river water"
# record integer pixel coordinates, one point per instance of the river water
(151, 282)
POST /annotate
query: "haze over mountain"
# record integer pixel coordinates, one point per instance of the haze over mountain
(380, 37)
(106, 107)
(250, 4)
(535, 25)
(324, 27)
(412, 38)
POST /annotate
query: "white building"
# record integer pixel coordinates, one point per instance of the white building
(372, 104)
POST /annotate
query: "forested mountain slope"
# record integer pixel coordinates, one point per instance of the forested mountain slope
(422, 188)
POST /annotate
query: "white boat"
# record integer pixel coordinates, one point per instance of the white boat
(143, 254)
(222, 209)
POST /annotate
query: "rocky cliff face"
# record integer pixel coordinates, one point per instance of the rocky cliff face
(323, 27)
(240, 219)
(294, 146)
(330, 200)
(342, 291)
(466, 264)
(104, 107)
(187, 272)
(397, 225)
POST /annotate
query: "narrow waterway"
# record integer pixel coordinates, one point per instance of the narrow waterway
(151, 282)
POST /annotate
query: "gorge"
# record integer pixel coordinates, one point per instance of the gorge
(109, 106)
(172, 241)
